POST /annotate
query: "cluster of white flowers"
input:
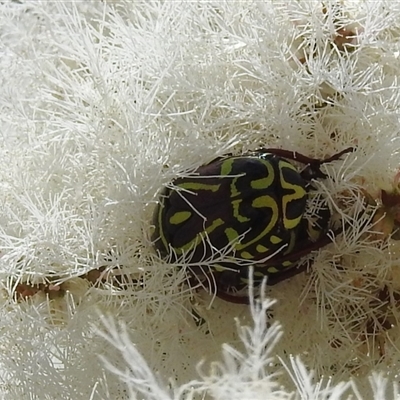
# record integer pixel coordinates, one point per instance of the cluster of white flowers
(104, 103)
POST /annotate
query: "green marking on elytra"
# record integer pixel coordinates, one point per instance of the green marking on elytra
(236, 213)
(261, 249)
(226, 166)
(275, 239)
(161, 225)
(264, 201)
(266, 182)
(180, 217)
(297, 192)
(219, 268)
(200, 236)
(261, 202)
(231, 234)
(234, 191)
(199, 186)
(246, 255)
(286, 263)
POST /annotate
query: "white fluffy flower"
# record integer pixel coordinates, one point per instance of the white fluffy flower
(104, 103)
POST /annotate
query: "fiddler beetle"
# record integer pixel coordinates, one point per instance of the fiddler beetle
(243, 210)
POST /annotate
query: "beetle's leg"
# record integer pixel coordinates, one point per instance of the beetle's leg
(212, 286)
(313, 165)
(337, 155)
(274, 278)
(286, 273)
(231, 298)
(295, 156)
(307, 249)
